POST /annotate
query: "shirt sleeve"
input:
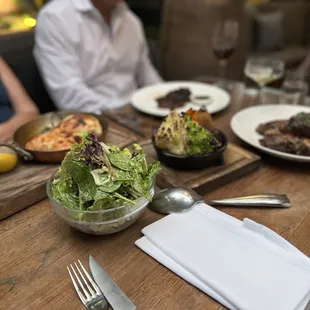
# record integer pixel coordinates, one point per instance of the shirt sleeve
(59, 65)
(146, 73)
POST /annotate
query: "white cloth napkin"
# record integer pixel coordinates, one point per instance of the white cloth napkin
(243, 265)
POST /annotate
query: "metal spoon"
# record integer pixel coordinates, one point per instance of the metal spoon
(179, 199)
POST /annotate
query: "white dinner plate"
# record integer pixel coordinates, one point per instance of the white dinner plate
(144, 99)
(245, 122)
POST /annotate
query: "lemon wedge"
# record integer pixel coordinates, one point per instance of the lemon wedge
(8, 159)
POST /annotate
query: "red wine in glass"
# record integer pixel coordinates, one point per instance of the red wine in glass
(223, 53)
(224, 41)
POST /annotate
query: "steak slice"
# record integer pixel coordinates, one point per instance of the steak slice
(292, 136)
(277, 126)
(304, 149)
(175, 99)
(287, 143)
(281, 142)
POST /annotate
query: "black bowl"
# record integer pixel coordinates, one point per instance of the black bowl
(193, 162)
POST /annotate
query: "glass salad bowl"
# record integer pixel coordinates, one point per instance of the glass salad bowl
(101, 222)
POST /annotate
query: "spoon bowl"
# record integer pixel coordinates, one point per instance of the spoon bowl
(179, 199)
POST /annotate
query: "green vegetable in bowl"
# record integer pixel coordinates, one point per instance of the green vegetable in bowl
(179, 134)
(94, 176)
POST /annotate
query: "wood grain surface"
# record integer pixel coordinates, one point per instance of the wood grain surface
(36, 246)
(237, 162)
(25, 185)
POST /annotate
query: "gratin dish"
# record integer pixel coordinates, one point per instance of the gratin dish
(35, 127)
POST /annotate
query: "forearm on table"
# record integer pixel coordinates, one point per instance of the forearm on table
(20, 119)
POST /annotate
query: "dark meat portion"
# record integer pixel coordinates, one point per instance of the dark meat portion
(175, 99)
(281, 142)
(299, 125)
(282, 136)
(304, 148)
(276, 125)
(287, 143)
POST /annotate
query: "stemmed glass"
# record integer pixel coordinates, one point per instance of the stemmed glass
(224, 41)
(264, 71)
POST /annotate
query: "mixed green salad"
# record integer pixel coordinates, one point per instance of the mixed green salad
(95, 176)
(179, 134)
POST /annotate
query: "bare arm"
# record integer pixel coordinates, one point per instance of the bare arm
(23, 106)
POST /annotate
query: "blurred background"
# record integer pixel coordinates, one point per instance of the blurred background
(18, 15)
(179, 34)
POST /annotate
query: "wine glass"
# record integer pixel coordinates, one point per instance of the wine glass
(224, 41)
(263, 71)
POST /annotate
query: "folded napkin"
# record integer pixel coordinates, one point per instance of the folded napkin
(241, 264)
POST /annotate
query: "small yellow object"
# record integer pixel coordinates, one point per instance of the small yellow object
(8, 159)
(30, 22)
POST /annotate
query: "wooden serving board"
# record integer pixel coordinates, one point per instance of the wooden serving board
(25, 185)
(237, 162)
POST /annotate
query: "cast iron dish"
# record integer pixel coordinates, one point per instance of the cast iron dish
(35, 127)
(193, 162)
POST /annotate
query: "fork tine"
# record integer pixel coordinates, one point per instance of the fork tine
(87, 285)
(95, 286)
(81, 285)
(77, 289)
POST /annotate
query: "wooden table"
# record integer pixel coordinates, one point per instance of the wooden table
(36, 246)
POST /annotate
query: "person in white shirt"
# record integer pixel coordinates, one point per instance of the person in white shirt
(92, 54)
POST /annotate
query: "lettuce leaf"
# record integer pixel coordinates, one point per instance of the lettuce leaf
(95, 176)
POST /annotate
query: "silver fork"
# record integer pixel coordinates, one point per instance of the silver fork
(89, 292)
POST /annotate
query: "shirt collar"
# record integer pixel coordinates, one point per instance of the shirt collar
(86, 5)
(83, 5)
(120, 10)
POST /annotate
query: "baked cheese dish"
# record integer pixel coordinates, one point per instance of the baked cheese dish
(69, 130)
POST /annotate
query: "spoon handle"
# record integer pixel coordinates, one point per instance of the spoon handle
(269, 201)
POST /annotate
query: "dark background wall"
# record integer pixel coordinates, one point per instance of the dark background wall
(149, 12)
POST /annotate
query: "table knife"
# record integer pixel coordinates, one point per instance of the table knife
(114, 295)
(125, 123)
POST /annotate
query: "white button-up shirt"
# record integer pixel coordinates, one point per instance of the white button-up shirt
(87, 65)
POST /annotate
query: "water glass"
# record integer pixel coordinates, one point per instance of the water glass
(294, 89)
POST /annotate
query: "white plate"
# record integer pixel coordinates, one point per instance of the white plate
(245, 122)
(144, 99)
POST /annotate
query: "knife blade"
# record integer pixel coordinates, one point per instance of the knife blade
(125, 123)
(114, 295)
